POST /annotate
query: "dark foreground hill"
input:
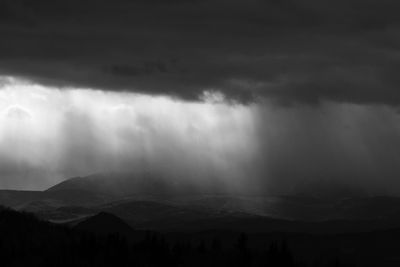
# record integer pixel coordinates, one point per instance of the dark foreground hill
(108, 224)
(28, 241)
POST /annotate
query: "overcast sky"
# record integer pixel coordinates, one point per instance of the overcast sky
(303, 94)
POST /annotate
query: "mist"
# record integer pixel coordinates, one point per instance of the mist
(48, 134)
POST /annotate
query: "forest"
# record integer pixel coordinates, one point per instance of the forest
(28, 241)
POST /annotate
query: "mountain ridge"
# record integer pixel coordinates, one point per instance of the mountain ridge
(157, 207)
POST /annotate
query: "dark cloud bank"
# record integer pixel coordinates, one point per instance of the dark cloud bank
(318, 78)
(304, 50)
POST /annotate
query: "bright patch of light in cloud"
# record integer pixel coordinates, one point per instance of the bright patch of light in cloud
(80, 131)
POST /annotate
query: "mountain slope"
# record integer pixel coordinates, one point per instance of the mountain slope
(115, 184)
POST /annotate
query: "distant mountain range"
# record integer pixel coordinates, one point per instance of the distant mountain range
(143, 202)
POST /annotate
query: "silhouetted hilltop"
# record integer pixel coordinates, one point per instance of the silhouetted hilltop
(116, 184)
(121, 184)
(105, 223)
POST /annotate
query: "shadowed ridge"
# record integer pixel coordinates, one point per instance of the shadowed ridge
(124, 184)
(71, 183)
(105, 223)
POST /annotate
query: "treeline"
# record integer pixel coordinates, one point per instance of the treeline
(27, 241)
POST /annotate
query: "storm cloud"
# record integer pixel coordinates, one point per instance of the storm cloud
(294, 51)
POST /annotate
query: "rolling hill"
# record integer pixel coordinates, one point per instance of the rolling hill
(145, 203)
